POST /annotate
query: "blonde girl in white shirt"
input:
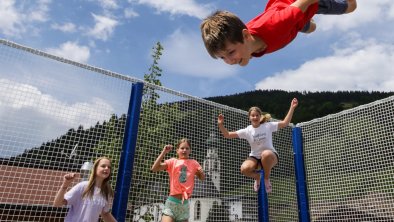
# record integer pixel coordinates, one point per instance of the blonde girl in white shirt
(259, 136)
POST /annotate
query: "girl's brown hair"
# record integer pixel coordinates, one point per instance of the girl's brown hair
(106, 189)
(184, 140)
(264, 117)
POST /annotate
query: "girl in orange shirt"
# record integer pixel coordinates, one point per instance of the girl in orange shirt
(182, 171)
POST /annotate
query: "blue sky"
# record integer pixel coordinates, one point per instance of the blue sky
(347, 52)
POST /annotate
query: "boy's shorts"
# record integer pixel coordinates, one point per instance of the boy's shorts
(332, 7)
(176, 210)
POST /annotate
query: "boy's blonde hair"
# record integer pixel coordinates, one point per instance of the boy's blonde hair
(218, 29)
(106, 189)
(264, 117)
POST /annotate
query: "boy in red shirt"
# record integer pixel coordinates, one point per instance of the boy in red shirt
(225, 36)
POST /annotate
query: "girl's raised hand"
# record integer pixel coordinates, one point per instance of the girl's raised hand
(294, 103)
(68, 178)
(220, 119)
(167, 149)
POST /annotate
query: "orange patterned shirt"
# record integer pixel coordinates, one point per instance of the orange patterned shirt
(182, 173)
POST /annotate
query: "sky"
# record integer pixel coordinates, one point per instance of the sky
(346, 52)
(41, 100)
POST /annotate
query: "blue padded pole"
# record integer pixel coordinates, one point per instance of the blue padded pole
(126, 162)
(262, 200)
(302, 193)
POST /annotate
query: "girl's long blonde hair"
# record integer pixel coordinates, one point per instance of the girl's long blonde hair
(106, 189)
(264, 117)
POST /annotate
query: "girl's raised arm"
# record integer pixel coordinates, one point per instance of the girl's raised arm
(286, 121)
(59, 198)
(223, 129)
(158, 165)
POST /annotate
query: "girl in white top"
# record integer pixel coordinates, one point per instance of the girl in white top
(88, 199)
(259, 136)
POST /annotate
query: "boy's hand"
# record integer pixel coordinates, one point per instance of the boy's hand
(220, 119)
(167, 149)
(294, 103)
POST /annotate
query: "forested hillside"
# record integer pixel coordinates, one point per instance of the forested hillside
(311, 104)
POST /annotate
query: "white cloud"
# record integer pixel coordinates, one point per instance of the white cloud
(15, 21)
(72, 51)
(33, 117)
(103, 28)
(10, 20)
(130, 13)
(367, 12)
(391, 11)
(108, 4)
(66, 27)
(39, 11)
(364, 65)
(174, 7)
(184, 54)
(18, 96)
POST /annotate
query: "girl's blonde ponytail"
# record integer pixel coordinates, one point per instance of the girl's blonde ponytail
(265, 118)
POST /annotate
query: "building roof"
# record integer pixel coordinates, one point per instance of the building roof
(29, 186)
(205, 188)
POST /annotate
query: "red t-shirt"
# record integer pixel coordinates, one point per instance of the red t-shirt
(279, 24)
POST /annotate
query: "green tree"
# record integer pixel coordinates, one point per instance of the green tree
(110, 143)
(149, 94)
(156, 128)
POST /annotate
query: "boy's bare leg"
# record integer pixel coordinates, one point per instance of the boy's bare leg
(312, 27)
(303, 4)
(351, 6)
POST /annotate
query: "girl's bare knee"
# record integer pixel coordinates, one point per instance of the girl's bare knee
(247, 170)
(244, 170)
(266, 154)
(269, 157)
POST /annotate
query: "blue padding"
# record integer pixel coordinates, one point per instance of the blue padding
(262, 200)
(302, 193)
(126, 162)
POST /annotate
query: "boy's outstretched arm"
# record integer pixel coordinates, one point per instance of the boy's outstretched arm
(158, 165)
(286, 121)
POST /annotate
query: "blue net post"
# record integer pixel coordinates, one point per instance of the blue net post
(262, 200)
(126, 162)
(299, 164)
